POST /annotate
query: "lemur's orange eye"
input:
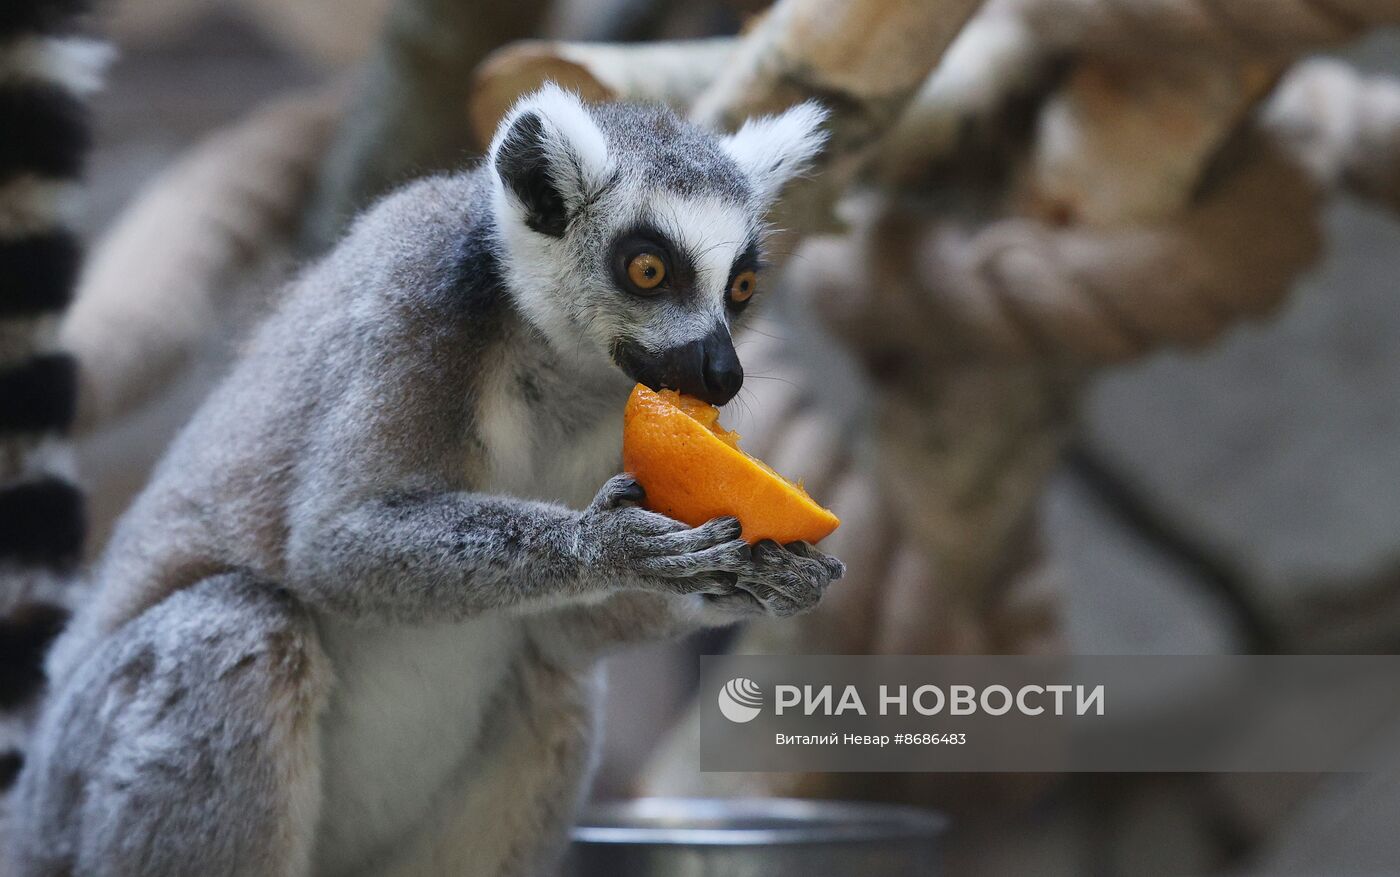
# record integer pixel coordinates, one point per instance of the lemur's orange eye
(742, 289)
(646, 271)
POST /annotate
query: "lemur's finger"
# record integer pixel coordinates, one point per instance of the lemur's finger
(739, 603)
(716, 584)
(729, 557)
(785, 582)
(771, 556)
(834, 567)
(618, 491)
(645, 525)
(770, 553)
(709, 534)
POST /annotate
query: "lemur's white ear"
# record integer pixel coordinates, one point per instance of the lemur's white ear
(774, 149)
(551, 157)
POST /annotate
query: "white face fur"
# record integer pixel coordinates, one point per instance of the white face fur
(631, 237)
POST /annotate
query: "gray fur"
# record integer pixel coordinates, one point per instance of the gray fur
(352, 625)
(671, 153)
(202, 707)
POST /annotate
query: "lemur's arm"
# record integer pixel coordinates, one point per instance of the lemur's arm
(451, 556)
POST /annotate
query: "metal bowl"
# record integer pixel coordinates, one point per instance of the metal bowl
(772, 837)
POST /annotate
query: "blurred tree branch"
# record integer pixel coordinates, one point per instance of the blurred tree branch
(406, 116)
(220, 218)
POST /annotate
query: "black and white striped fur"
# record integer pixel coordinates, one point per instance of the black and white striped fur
(47, 70)
(353, 624)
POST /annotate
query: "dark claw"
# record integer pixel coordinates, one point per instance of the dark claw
(619, 491)
(633, 493)
(747, 552)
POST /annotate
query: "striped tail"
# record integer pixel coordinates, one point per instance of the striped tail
(47, 69)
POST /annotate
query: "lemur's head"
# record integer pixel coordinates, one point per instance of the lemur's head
(634, 235)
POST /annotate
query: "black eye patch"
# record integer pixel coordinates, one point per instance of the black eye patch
(748, 262)
(677, 269)
(749, 259)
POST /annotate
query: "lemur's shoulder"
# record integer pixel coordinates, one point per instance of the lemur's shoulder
(429, 242)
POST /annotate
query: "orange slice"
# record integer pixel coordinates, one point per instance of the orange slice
(693, 470)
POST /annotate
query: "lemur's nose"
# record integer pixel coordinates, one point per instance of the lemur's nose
(707, 368)
(722, 372)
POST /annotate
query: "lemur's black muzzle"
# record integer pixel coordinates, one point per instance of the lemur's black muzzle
(707, 368)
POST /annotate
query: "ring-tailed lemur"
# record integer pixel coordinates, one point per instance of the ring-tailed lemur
(352, 625)
(47, 69)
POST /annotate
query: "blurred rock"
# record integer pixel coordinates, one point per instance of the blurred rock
(1278, 447)
(1123, 596)
(1158, 828)
(1346, 828)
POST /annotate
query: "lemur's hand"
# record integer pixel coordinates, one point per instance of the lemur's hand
(620, 541)
(788, 579)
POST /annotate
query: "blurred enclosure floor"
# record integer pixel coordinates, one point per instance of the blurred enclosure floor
(1261, 474)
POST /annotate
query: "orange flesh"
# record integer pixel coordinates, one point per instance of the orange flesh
(707, 415)
(693, 470)
(702, 413)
